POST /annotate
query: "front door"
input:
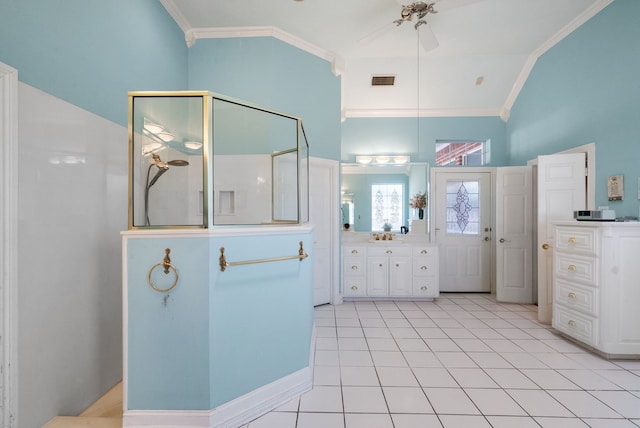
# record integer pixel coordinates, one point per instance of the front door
(462, 229)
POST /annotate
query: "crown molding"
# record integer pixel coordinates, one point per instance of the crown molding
(363, 113)
(542, 49)
(337, 63)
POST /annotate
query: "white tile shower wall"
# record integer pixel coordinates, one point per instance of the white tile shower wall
(72, 205)
(249, 178)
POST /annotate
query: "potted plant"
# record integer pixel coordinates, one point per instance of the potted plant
(386, 226)
(419, 201)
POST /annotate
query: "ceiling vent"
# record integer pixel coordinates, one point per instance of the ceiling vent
(383, 80)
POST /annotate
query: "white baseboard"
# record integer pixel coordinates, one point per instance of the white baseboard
(230, 415)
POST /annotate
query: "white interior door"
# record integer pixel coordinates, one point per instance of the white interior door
(462, 230)
(514, 223)
(561, 190)
(323, 214)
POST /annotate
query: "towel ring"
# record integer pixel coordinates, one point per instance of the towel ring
(168, 267)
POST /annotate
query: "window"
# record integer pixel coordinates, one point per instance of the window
(452, 153)
(386, 206)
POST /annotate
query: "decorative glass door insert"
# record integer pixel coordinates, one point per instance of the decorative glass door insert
(463, 207)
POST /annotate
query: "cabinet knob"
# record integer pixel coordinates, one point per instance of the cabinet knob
(380, 265)
(354, 251)
(423, 267)
(571, 240)
(571, 295)
(572, 323)
(571, 267)
(423, 252)
(546, 246)
(389, 252)
(423, 288)
(397, 264)
(354, 267)
(354, 287)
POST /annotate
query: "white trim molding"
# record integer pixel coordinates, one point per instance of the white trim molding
(232, 414)
(554, 40)
(9, 246)
(413, 113)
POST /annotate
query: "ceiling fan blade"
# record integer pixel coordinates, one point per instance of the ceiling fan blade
(377, 33)
(427, 39)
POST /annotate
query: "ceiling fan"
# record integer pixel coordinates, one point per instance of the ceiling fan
(417, 12)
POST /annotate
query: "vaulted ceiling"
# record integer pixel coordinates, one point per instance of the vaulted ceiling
(485, 48)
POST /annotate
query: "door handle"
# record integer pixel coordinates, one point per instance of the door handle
(546, 246)
(502, 240)
(486, 238)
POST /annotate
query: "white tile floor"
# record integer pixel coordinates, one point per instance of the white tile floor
(460, 361)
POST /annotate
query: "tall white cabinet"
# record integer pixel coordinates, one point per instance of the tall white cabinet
(596, 285)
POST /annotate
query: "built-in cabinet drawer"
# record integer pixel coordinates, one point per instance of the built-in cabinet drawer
(576, 297)
(576, 240)
(576, 268)
(575, 324)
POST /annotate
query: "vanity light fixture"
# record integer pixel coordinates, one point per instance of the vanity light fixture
(383, 160)
(364, 160)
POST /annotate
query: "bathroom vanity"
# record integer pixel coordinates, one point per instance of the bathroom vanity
(596, 279)
(401, 267)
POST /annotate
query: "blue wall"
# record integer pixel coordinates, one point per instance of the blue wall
(271, 73)
(586, 90)
(400, 136)
(91, 53)
(216, 335)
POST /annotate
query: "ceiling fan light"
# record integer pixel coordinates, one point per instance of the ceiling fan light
(166, 136)
(152, 127)
(192, 145)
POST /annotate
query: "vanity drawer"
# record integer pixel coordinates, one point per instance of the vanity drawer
(383, 250)
(354, 266)
(575, 324)
(576, 268)
(575, 297)
(354, 287)
(424, 266)
(425, 287)
(354, 250)
(574, 239)
(425, 251)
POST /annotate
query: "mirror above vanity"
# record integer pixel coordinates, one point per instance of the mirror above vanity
(378, 197)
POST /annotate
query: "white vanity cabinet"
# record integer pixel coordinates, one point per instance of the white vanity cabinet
(390, 270)
(596, 284)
